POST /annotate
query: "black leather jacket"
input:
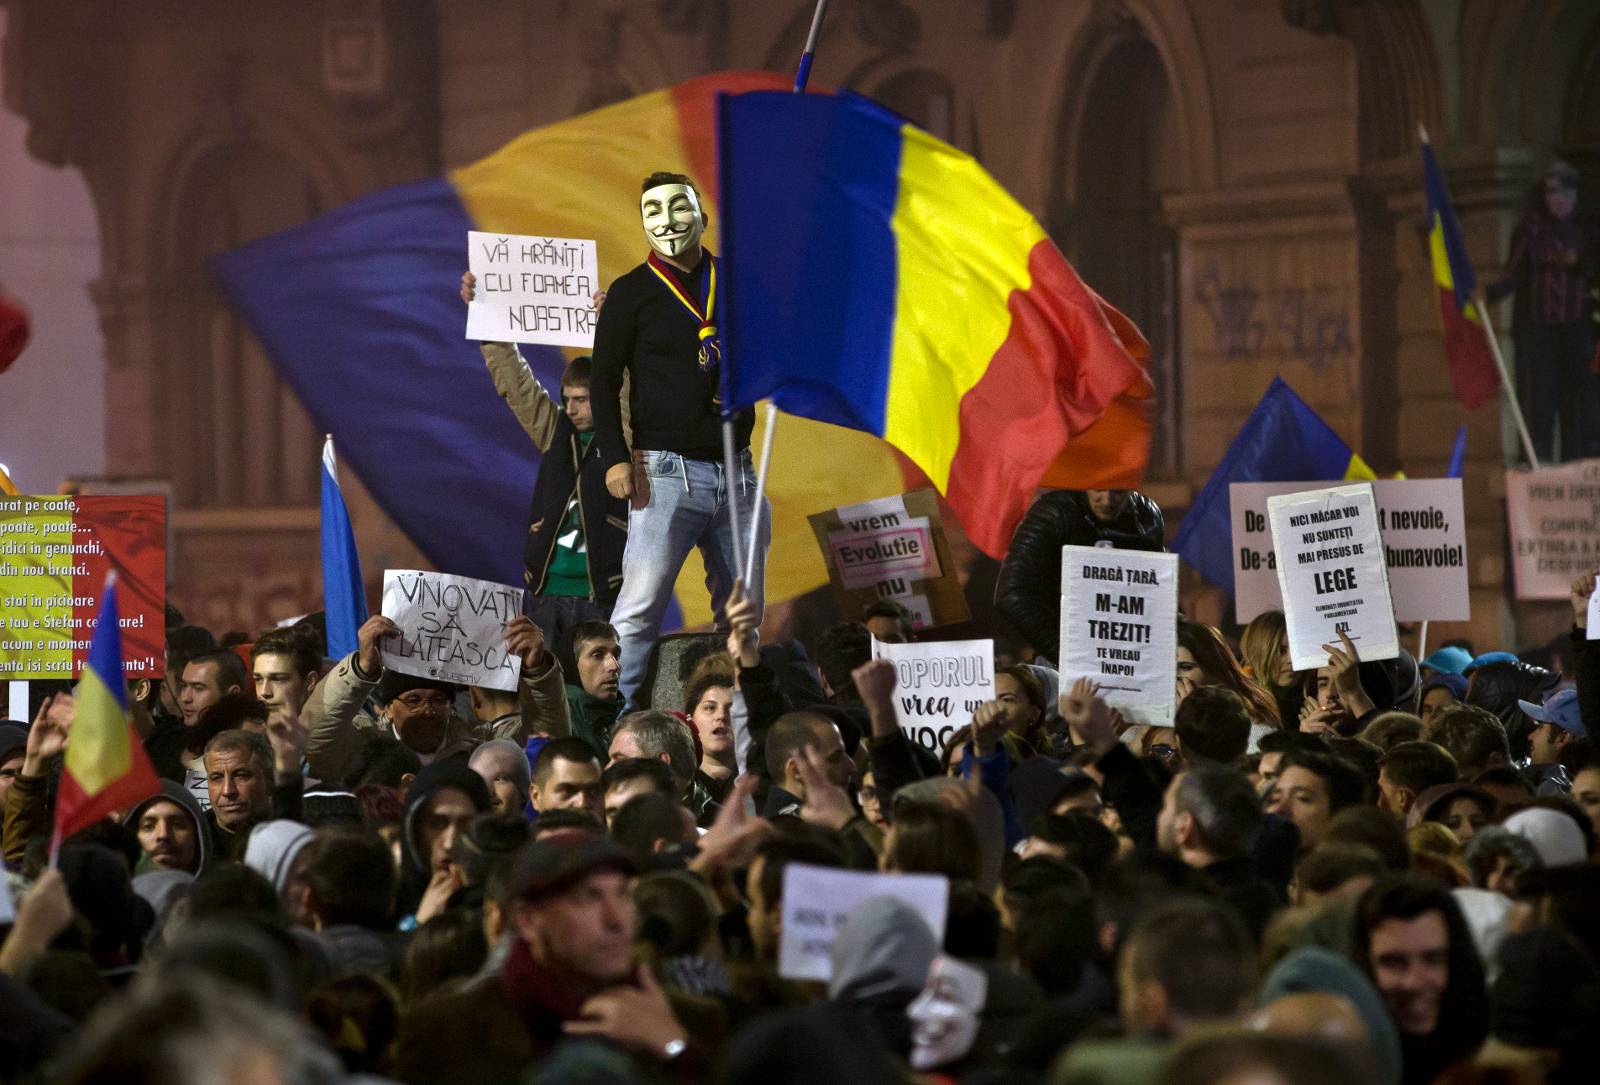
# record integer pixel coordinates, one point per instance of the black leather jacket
(1028, 591)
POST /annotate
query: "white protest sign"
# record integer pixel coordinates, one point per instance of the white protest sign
(816, 901)
(532, 289)
(1424, 529)
(1594, 612)
(1331, 573)
(882, 541)
(451, 628)
(1554, 516)
(1119, 627)
(939, 684)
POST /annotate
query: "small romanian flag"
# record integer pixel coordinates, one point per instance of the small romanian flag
(880, 279)
(107, 768)
(1466, 343)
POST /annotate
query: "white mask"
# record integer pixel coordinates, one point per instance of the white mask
(944, 1017)
(673, 220)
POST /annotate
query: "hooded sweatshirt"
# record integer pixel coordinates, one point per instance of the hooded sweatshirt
(272, 848)
(171, 791)
(881, 958)
(414, 866)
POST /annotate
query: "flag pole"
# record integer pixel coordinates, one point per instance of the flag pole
(1505, 381)
(1422, 643)
(802, 76)
(1499, 359)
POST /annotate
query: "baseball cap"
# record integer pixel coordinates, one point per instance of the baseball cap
(1560, 708)
(13, 740)
(1450, 660)
(557, 861)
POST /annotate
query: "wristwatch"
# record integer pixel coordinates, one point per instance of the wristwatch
(673, 1048)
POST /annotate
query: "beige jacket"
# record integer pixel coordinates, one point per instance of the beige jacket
(337, 722)
(534, 407)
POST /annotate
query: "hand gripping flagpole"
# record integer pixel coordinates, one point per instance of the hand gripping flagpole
(802, 75)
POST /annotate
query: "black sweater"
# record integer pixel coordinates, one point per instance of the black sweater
(648, 333)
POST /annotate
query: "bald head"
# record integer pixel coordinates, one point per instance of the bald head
(1324, 1017)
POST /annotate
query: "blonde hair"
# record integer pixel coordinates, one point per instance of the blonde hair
(1261, 645)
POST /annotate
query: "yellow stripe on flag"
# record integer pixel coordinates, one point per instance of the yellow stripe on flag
(6, 486)
(98, 753)
(953, 224)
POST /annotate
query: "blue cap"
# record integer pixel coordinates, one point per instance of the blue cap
(1456, 684)
(1488, 658)
(1560, 708)
(1448, 661)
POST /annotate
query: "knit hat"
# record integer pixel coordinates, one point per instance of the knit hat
(1487, 658)
(13, 740)
(272, 849)
(1554, 835)
(1451, 661)
(1456, 684)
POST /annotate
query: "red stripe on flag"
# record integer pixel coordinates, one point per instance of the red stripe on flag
(76, 810)
(1473, 374)
(1063, 395)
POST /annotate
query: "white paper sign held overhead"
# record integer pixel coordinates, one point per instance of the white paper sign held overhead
(451, 628)
(1119, 627)
(532, 289)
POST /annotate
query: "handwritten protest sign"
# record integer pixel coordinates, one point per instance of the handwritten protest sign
(532, 289)
(892, 548)
(816, 901)
(1424, 529)
(939, 684)
(54, 556)
(1331, 573)
(1554, 516)
(451, 628)
(1119, 627)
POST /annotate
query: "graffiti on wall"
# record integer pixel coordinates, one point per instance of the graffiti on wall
(1310, 324)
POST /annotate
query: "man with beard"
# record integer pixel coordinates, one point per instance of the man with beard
(173, 831)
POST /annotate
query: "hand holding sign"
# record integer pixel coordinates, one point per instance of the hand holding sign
(525, 641)
(373, 631)
(1586, 603)
(1345, 663)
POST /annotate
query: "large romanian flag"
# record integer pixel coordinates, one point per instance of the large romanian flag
(107, 768)
(879, 278)
(1472, 370)
(358, 309)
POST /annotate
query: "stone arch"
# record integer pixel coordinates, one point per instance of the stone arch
(1121, 150)
(1523, 57)
(224, 187)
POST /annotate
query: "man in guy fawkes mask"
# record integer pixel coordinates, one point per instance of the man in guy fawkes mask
(659, 325)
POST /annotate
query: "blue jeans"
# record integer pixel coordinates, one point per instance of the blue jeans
(688, 508)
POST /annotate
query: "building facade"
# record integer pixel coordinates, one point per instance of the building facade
(1240, 176)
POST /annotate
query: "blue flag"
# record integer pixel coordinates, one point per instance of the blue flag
(1283, 440)
(344, 596)
(1458, 455)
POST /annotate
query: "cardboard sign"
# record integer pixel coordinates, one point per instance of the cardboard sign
(532, 289)
(939, 684)
(817, 900)
(451, 628)
(1424, 529)
(54, 556)
(892, 548)
(1554, 516)
(1331, 573)
(1119, 627)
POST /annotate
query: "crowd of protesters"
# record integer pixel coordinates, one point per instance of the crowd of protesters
(1377, 871)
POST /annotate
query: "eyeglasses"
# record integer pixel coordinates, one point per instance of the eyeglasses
(418, 701)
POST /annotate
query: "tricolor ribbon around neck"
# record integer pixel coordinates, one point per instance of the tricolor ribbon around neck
(710, 341)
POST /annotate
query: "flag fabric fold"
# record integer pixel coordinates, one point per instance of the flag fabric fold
(107, 768)
(344, 595)
(1283, 440)
(358, 311)
(1473, 373)
(880, 279)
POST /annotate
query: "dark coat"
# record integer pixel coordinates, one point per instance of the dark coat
(1028, 589)
(566, 468)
